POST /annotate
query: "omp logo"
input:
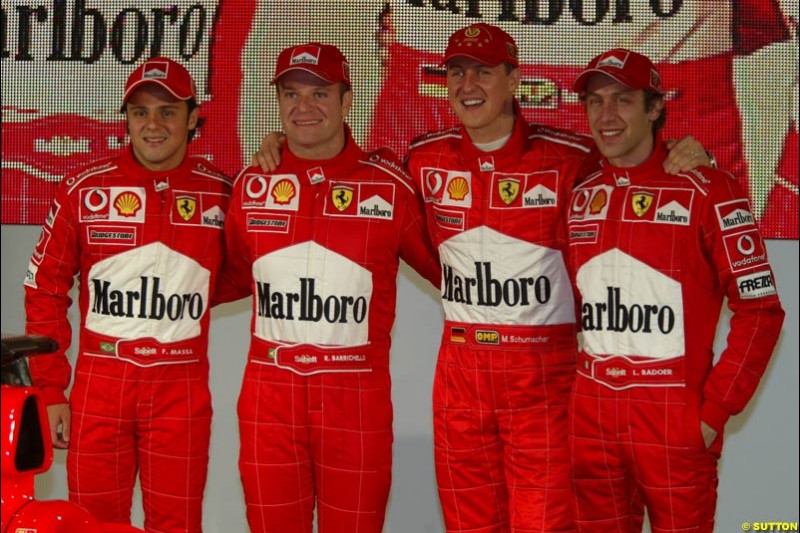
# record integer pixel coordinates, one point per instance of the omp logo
(483, 336)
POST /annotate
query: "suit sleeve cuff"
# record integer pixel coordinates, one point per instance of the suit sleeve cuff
(714, 415)
(52, 395)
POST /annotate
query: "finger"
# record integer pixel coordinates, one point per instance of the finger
(674, 163)
(260, 161)
(61, 444)
(66, 426)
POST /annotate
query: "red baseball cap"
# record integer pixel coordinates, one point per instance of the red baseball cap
(324, 61)
(624, 66)
(164, 71)
(484, 43)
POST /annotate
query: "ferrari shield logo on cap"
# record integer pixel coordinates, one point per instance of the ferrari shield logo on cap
(186, 206)
(641, 202)
(341, 196)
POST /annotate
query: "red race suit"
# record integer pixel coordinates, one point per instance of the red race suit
(147, 247)
(508, 351)
(653, 256)
(319, 243)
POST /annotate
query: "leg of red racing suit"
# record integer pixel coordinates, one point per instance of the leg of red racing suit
(468, 451)
(676, 474)
(101, 461)
(156, 420)
(500, 434)
(174, 432)
(605, 491)
(352, 441)
(324, 438)
(274, 458)
(534, 428)
(641, 444)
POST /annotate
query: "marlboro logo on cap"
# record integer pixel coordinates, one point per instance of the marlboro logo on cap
(305, 55)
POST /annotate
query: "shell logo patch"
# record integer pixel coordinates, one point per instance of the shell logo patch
(598, 202)
(458, 189)
(283, 192)
(127, 204)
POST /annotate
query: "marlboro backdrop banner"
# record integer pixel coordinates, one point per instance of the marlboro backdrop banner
(729, 68)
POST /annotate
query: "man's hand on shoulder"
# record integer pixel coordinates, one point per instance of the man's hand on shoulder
(685, 154)
(268, 156)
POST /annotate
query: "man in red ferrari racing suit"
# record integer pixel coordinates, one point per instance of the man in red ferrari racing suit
(144, 233)
(653, 255)
(318, 242)
(507, 357)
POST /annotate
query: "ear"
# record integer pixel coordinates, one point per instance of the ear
(656, 109)
(514, 79)
(347, 103)
(194, 116)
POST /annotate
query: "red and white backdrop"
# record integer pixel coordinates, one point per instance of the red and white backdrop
(729, 67)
